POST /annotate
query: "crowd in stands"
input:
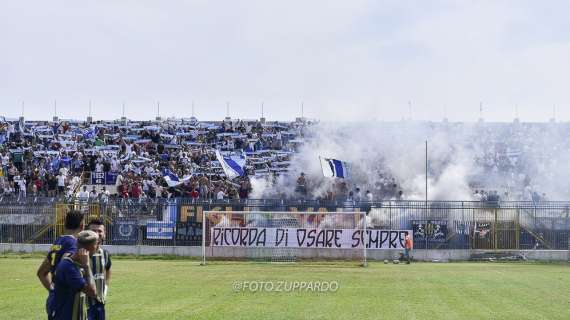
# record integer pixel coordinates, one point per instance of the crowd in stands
(508, 155)
(55, 159)
(384, 189)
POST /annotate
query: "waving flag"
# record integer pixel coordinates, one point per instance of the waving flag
(89, 133)
(55, 164)
(234, 166)
(172, 179)
(334, 168)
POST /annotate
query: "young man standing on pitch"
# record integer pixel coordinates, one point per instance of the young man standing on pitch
(73, 281)
(101, 269)
(65, 245)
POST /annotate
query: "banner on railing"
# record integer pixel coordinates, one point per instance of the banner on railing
(160, 230)
(307, 238)
(125, 232)
(166, 227)
(430, 230)
(482, 229)
(25, 219)
(104, 178)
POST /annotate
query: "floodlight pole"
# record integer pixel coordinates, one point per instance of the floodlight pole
(203, 238)
(426, 212)
(426, 172)
(365, 239)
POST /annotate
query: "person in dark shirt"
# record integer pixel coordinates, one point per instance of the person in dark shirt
(65, 245)
(73, 281)
(52, 185)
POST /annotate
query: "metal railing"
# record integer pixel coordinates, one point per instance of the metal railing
(168, 222)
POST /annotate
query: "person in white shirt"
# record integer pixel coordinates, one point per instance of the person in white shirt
(114, 164)
(63, 171)
(93, 195)
(119, 180)
(83, 194)
(104, 195)
(369, 196)
(220, 195)
(22, 186)
(9, 131)
(158, 190)
(5, 159)
(60, 183)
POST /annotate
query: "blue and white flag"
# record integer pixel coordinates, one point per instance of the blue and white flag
(160, 230)
(334, 168)
(172, 180)
(89, 133)
(233, 166)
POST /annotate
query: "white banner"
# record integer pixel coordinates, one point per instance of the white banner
(306, 238)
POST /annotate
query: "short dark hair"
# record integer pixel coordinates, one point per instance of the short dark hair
(73, 220)
(96, 222)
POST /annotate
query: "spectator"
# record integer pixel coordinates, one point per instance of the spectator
(302, 185)
(136, 191)
(60, 184)
(93, 195)
(21, 188)
(104, 195)
(83, 195)
(369, 196)
(220, 195)
(194, 194)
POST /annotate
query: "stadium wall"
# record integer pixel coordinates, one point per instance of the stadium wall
(334, 254)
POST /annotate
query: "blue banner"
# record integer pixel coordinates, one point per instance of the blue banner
(125, 232)
(104, 178)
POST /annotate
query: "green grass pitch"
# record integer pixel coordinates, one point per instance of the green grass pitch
(182, 289)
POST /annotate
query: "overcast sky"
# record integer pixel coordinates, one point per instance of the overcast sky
(346, 60)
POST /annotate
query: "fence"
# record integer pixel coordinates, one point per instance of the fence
(178, 222)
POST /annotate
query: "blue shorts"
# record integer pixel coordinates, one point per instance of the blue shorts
(96, 312)
(49, 304)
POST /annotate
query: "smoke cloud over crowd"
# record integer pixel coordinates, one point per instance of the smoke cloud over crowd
(517, 161)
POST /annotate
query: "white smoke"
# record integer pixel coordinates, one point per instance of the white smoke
(378, 152)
